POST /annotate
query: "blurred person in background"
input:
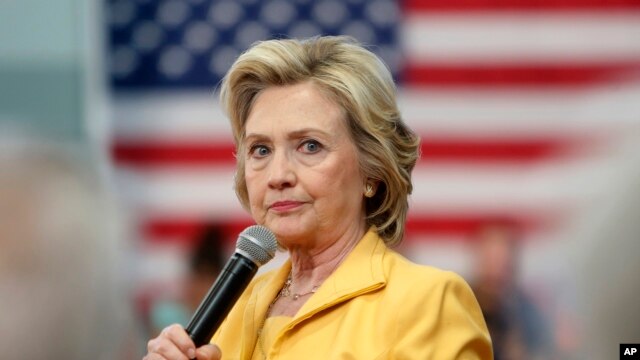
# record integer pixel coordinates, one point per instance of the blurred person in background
(205, 263)
(61, 292)
(517, 326)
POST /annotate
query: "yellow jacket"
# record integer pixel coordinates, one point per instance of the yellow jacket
(376, 305)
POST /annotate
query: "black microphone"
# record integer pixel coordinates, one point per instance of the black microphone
(256, 245)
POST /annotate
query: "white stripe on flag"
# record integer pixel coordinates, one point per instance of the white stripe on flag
(197, 116)
(499, 37)
(436, 187)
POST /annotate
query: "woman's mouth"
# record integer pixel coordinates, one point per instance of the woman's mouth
(286, 205)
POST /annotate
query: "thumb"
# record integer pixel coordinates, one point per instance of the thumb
(208, 352)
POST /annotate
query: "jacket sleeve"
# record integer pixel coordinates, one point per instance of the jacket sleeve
(444, 322)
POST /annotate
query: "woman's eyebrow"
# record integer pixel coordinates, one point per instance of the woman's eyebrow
(255, 137)
(306, 131)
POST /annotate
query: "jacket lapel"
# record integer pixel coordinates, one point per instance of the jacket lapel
(362, 271)
(257, 307)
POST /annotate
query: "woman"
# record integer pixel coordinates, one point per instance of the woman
(325, 161)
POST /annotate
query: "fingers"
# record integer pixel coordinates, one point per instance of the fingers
(181, 339)
(173, 343)
(209, 352)
(153, 357)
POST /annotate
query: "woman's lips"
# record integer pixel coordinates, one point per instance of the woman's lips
(287, 205)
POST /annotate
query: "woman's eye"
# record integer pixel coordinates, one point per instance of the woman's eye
(311, 146)
(259, 151)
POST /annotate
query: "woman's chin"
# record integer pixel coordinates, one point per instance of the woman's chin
(283, 225)
(289, 235)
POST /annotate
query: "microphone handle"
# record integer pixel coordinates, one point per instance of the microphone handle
(222, 295)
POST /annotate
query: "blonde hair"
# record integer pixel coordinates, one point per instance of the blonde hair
(360, 83)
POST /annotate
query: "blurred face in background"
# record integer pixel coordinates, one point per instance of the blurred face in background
(59, 267)
(301, 167)
(496, 257)
(16, 225)
(197, 286)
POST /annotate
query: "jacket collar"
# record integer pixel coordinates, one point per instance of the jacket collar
(361, 272)
(258, 305)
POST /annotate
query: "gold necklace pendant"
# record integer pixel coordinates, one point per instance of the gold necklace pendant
(286, 290)
(298, 296)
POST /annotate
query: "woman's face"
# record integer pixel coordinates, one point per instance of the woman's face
(301, 167)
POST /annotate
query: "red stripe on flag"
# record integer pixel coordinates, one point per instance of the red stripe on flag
(524, 5)
(493, 150)
(538, 75)
(149, 153)
(466, 225)
(162, 152)
(187, 230)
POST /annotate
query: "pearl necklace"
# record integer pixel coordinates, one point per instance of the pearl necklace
(286, 290)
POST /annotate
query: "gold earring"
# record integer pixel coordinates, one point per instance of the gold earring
(368, 190)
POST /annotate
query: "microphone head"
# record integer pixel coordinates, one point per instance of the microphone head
(257, 243)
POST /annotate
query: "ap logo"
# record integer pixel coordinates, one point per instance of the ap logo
(629, 351)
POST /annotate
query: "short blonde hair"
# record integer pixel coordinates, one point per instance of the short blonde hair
(360, 83)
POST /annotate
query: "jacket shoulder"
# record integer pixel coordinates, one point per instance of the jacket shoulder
(399, 267)
(437, 313)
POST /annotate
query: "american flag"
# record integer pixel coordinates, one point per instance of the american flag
(524, 108)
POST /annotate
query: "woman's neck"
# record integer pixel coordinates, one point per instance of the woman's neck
(310, 267)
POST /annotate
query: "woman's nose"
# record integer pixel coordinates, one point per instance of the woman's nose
(281, 171)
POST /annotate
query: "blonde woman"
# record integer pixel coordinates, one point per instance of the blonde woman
(325, 161)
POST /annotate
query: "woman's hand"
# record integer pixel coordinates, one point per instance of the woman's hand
(174, 343)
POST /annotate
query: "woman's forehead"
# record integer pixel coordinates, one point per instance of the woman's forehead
(294, 108)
